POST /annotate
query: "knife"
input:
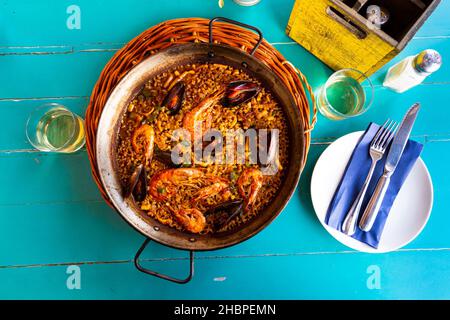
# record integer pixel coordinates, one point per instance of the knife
(393, 157)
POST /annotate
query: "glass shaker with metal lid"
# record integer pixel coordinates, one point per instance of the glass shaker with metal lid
(412, 70)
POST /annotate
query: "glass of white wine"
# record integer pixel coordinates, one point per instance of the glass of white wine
(347, 93)
(53, 128)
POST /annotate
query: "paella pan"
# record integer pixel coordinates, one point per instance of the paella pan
(199, 204)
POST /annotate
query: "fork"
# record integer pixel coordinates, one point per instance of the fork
(377, 149)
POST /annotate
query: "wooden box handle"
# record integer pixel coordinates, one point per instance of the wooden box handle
(346, 23)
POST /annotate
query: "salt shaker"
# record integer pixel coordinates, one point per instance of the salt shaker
(412, 70)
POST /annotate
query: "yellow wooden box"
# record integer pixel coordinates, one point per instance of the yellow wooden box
(339, 34)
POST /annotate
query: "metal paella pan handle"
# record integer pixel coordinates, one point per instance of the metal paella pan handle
(163, 276)
(238, 24)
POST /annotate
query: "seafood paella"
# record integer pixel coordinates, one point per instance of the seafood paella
(213, 192)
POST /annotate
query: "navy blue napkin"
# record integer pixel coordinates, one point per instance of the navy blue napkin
(353, 179)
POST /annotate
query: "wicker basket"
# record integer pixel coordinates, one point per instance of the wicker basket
(184, 30)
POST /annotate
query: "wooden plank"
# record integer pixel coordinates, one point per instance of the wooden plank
(52, 233)
(99, 20)
(42, 178)
(50, 75)
(402, 275)
(389, 104)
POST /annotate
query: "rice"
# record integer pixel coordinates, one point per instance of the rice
(201, 80)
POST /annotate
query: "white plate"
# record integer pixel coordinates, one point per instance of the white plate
(409, 213)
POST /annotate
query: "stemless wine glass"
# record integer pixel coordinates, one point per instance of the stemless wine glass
(347, 93)
(53, 128)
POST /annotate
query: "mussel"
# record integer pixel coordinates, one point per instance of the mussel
(137, 184)
(174, 98)
(238, 92)
(165, 157)
(229, 210)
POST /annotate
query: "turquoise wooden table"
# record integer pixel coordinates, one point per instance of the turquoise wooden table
(58, 239)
